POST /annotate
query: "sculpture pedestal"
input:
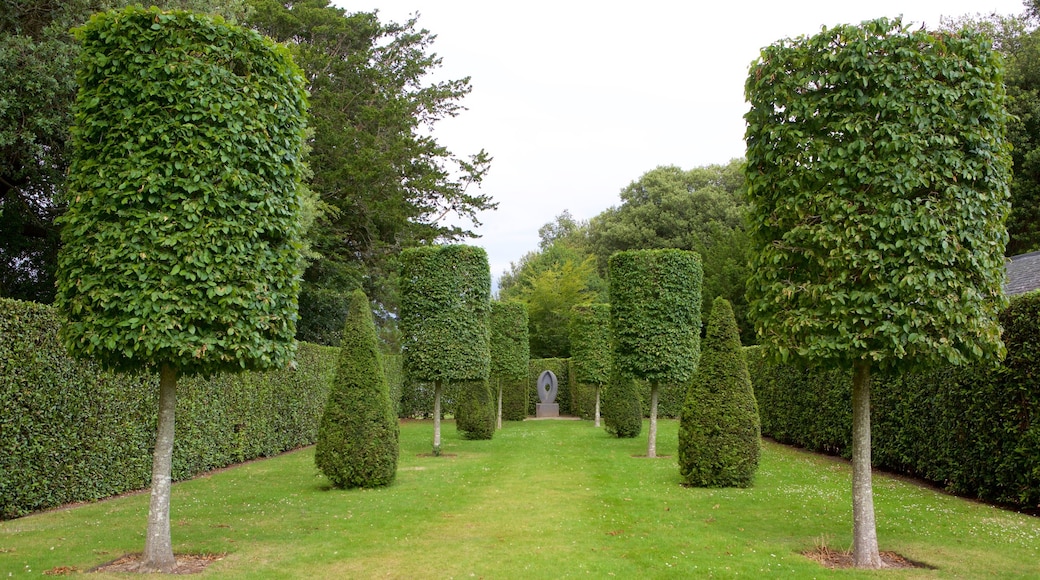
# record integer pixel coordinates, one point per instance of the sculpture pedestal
(547, 410)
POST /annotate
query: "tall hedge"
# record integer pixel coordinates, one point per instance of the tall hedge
(655, 319)
(510, 353)
(358, 437)
(444, 318)
(719, 429)
(974, 430)
(71, 431)
(590, 356)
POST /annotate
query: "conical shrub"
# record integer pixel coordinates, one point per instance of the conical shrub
(358, 435)
(475, 411)
(622, 408)
(719, 429)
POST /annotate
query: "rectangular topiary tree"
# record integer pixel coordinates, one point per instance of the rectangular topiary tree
(590, 348)
(877, 171)
(510, 348)
(655, 320)
(445, 319)
(182, 239)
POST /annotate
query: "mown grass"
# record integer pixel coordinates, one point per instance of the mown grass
(543, 499)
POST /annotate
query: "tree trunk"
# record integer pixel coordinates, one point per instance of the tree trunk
(651, 444)
(158, 547)
(437, 417)
(499, 404)
(597, 405)
(864, 530)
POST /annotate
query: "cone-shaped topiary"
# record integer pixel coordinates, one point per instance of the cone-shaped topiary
(358, 435)
(622, 408)
(719, 430)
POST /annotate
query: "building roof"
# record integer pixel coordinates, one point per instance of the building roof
(1023, 274)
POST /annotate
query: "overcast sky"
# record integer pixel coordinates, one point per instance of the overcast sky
(577, 99)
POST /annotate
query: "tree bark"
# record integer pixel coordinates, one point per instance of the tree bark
(597, 405)
(864, 529)
(158, 547)
(437, 417)
(499, 404)
(651, 444)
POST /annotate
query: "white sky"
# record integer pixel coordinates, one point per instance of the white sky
(576, 99)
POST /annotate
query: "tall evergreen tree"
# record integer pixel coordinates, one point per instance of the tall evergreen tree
(719, 429)
(358, 435)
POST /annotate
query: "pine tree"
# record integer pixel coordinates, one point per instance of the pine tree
(719, 430)
(358, 436)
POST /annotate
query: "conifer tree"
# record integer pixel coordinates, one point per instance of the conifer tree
(719, 430)
(358, 436)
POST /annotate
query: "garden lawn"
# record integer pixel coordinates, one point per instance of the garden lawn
(543, 499)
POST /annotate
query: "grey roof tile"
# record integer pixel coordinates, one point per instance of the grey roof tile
(1023, 274)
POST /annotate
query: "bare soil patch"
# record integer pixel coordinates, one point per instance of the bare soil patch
(186, 563)
(837, 559)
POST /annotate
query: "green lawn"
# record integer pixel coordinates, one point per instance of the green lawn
(544, 499)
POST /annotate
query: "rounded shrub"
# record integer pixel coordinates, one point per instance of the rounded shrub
(358, 435)
(622, 408)
(475, 410)
(719, 429)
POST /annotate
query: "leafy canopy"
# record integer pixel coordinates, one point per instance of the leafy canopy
(877, 170)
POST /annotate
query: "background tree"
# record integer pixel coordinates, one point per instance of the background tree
(701, 210)
(357, 443)
(384, 180)
(719, 431)
(181, 241)
(445, 306)
(550, 281)
(510, 348)
(655, 320)
(37, 88)
(590, 347)
(877, 211)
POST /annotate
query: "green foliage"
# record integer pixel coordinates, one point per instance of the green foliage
(559, 276)
(560, 367)
(445, 310)
(655, 314)
(974, 430)
(510, 350)
(590, 343)
(877, 210)
(181, 242)
(621, 407)
(384, 180)
(72, 432)
(393, 367)
(475, 410)
(358, 437)
(701, 210)
(719, 430)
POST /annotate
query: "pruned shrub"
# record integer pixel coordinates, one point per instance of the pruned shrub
(719, 429)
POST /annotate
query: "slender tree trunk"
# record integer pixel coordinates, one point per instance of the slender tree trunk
(597, 405)
(651, 445)
(437, 417)
(158, 547)
(864, 530)
(499, 404)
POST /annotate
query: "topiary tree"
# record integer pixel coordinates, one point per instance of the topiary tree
(719, 431)
(358, 435)
(877, 172)
(590, 347)
(444, 319)
(655, 320)
(622, 407)
(510, 348)
(475, 410)
(182, 237)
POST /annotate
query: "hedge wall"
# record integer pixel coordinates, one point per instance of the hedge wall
(71, 432)
(974, 430)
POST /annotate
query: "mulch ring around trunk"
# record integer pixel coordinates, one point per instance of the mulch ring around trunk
(837, 559)
(186, 563)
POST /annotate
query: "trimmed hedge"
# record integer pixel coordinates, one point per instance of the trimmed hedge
(590, 355)
(719, 438)
(510, 356)
(358, 435)
(622, 407)
(71, 432)
(974, 430)
(475, 410)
